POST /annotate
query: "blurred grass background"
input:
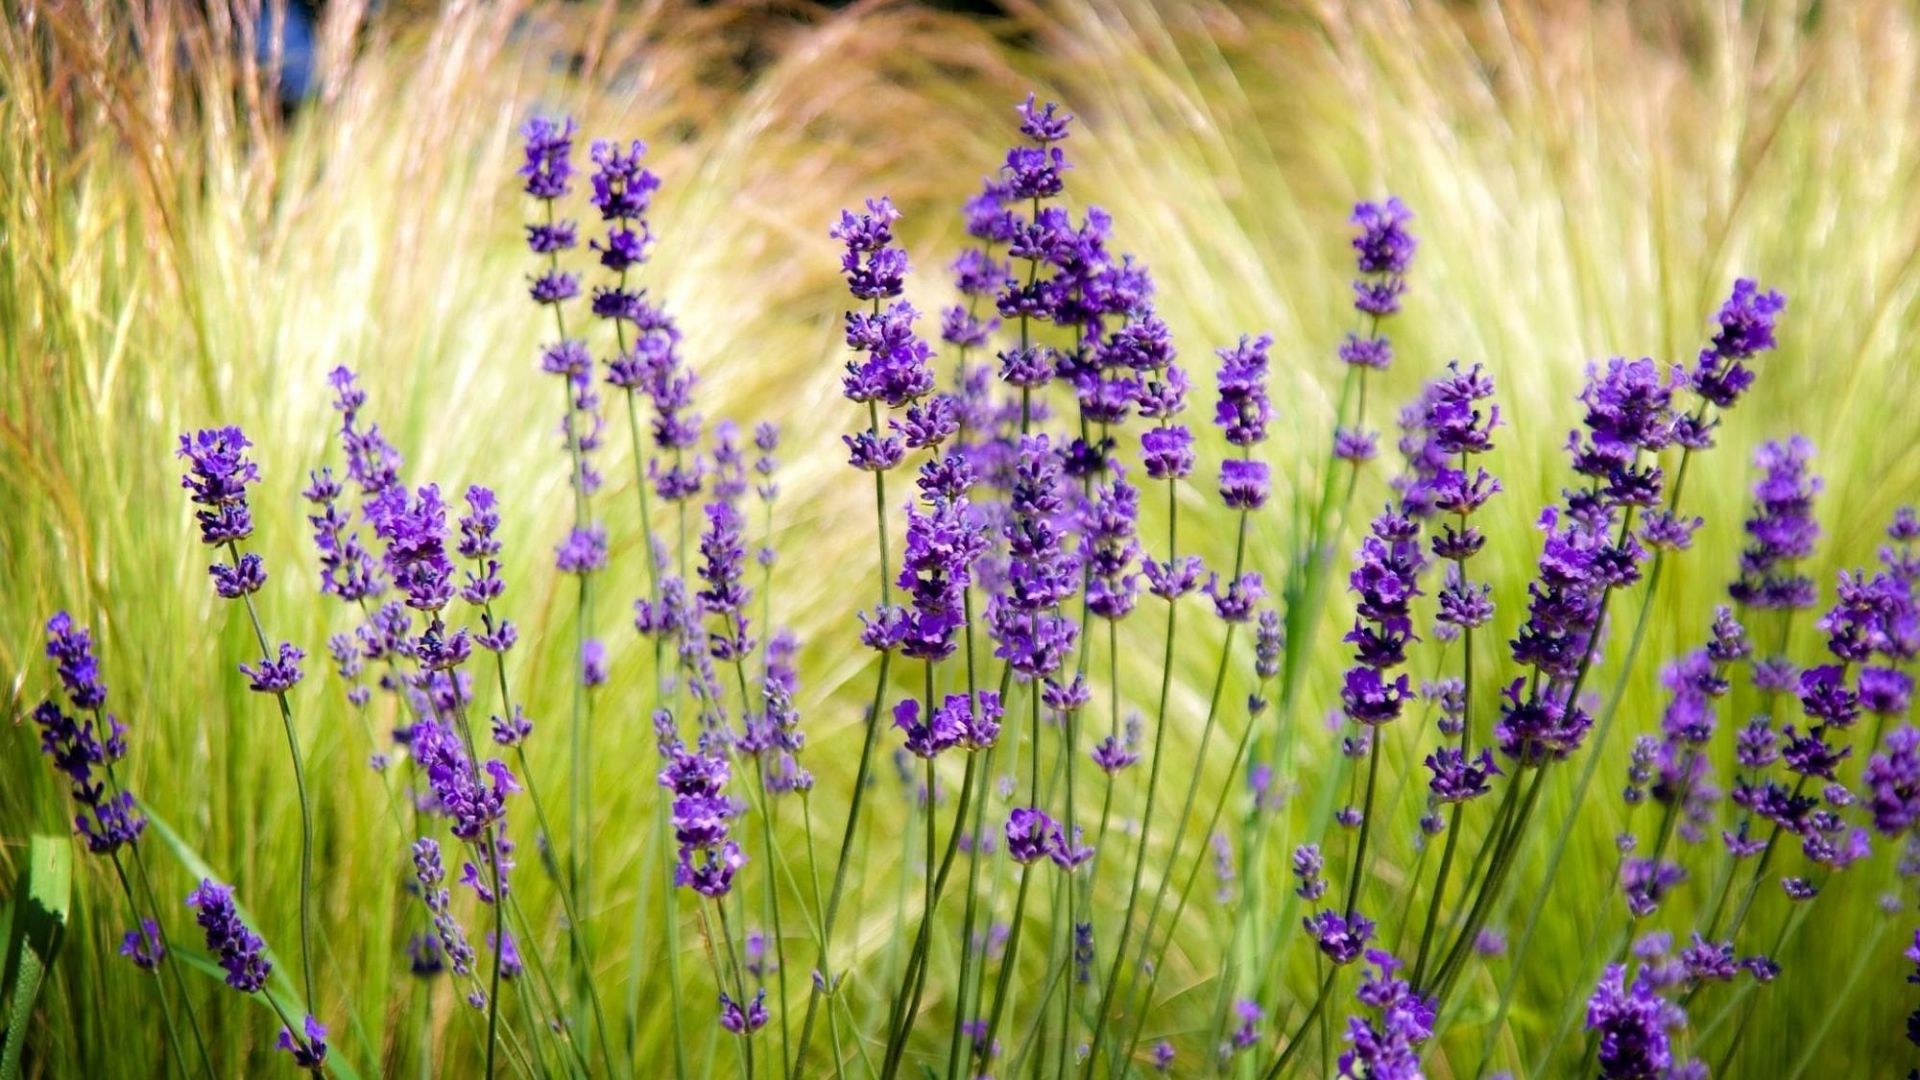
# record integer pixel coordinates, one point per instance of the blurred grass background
(176, 250)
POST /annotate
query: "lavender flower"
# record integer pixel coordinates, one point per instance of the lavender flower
(1633, 1024)
(722, 569)
(238, 950)
(1031, 633)
(1892, 782)
(218, 475)
(1458, 778)
(347, 569)
(1341, 939)
(83, 750)
(1031, 835)
(1387, 1048)
(1746, 329)
(743, 1020)
(701, 811)
(1243, 412)
(143, 946)
(431, 875)
(308, 1049)
(1781, 530)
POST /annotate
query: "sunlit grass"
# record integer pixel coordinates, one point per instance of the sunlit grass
(174, 254)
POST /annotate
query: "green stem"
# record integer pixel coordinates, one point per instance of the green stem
(300, 789)
(1153, 786)
(159, 987)
(1011, 958)
(1300, 1033)
(824, 972)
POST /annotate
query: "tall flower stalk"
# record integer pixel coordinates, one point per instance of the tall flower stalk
(217, 478)
(1721, 375)
(1457, 427)
(1243, 412)
(548, 172)
(84, 749)
(893, 371)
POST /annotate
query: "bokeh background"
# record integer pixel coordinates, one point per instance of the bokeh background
(195, 225)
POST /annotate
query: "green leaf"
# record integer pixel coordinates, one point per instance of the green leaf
(36, 921)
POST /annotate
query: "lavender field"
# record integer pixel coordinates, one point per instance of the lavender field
(1073, 538)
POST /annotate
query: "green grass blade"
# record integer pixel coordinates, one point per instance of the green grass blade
(36, 922)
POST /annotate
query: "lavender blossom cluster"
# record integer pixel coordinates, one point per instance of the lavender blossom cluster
(1036, 556)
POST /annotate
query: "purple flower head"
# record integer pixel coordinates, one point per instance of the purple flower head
(1632, 1023)
(242, 579)
(743, 1020)
(1892, 782)
(1646, 883)
(1031, 835)
(1308, 865)
(70, 647)
(722, 570)
(1109, 521)
(309, 1049)
(927, 738)
(1270, 639)
(548, 168)
(1028, 366)
(143, 946)
(582, 551)
(1246, 1032)
(1243, 484)
(875, 270)
(1340, 939)
(217, 477)
(1374, 352)
(430, 874)
(1354, 445)
(1034, 172)
(1043, 124)
(593, 663)
(622, 187)
(1235, 599)
(1824, 696)
(1781, 530)
(473, 802)
(1243, 411)
(944, 541)
(1389, 1048)
(1538, 727)
(896, 365)
(1454, 420)
(347, 569)
(1746, 328)
(239, 951)
(701, 811)
(1112, 754)
(415, 532)
(1368, 698)
(870, 453)
(1464, 604)
(1458, 778)
(1885, 691)
(1629, 409)
(1167, 452)
(275, 676)
(1383, 246)
(1871, 615)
